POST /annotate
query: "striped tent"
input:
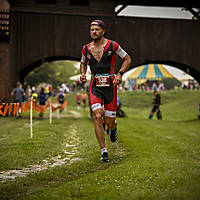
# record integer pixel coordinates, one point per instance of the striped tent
(147, 72)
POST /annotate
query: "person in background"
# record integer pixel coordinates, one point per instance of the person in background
(34, 95)
(83, 99)
(47, 90)
(42, 100)
(50, 90)
(78, 100)
(61, 98)
(18, 95)
(28, 92)
(156, 105)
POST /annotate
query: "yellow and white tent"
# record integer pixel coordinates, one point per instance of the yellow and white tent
(147, 72)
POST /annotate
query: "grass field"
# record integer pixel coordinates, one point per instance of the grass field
(152, 159)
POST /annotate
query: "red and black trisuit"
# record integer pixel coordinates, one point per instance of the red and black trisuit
(102, 91)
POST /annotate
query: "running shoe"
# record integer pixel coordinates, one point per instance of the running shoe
(104, 157)
(114, 135)
(104, 126)
(108, 131)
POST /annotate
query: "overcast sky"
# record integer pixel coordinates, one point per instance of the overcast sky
(156, 12)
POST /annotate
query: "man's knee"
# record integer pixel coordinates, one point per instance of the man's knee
(98, 117)
(110, 122)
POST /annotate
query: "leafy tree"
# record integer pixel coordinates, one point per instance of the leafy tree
(55, 73)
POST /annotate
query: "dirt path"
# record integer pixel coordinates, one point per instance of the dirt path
(68, 156)
(72, 113)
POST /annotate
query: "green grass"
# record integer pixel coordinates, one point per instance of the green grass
(151, 160)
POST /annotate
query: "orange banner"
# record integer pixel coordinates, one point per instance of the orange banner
(1, 113)
(10, 109)
(23, 107)
(5, 110)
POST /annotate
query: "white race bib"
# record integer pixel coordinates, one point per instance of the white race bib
(102, 80)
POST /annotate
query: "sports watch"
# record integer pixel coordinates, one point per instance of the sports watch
(121, 73)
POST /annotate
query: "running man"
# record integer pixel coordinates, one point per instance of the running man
(100, 55)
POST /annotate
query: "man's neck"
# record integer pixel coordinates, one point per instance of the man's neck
(100, 42)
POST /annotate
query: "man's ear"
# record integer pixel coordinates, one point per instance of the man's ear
(104, 32)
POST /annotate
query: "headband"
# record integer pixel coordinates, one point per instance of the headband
(99, 23)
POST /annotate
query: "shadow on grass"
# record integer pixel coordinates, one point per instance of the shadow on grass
(191, 121)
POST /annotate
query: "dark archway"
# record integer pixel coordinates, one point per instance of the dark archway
(36, 64)
(38, 32)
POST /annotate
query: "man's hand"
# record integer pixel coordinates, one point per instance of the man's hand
(83, 69)
(83, 78)
(125, 65)
(118, 79)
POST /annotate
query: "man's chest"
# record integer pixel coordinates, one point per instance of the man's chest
(97, 53)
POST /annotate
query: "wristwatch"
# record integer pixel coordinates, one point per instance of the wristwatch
(121, 73)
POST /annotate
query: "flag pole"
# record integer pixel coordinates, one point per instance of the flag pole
(50, 114)
(31, 119)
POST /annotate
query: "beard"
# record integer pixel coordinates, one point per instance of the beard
(97, 37)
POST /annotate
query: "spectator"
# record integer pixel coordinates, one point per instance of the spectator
(156, 105)
(78, 100)
(34, 95)
(84, 99)
(61, 98)
(42, 100)
(28, 92)
(18, 95)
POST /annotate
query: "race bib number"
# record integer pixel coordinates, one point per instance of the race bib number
(102, 81)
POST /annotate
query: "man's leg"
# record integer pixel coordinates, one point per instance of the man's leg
(159, 115)
(110, 122)
(110, 116)
(100, 134)
(152, 111)
(151, 115)
(112, 125)
(98, 126)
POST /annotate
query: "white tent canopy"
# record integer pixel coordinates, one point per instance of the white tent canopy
(127, 74)
(77, 77)
(177, 73)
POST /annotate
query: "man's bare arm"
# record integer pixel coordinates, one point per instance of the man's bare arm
(83, 70)
(125, 65)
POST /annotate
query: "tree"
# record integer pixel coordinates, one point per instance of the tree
(55, 73)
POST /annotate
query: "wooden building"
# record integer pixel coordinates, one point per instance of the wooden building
(45, 30)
